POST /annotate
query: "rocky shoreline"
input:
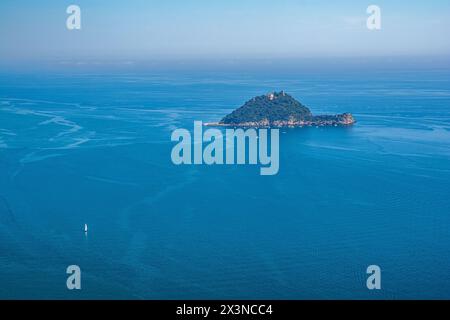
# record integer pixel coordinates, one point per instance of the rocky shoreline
(345, 119)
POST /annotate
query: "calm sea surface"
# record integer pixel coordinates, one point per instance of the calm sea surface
(95, 149)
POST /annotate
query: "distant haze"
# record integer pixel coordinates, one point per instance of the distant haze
(228, 29)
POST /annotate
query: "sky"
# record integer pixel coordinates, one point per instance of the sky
(210, 29)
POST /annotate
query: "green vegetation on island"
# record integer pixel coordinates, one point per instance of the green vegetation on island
(279, 109)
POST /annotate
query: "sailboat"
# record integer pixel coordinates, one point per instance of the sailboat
(85, 227)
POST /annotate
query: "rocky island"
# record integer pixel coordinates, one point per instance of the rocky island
(279, 109)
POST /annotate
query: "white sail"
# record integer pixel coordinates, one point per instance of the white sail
(85, 228)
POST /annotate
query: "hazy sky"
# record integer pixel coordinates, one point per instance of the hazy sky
(146, 29)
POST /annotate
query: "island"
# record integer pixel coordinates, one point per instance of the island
(278, 109)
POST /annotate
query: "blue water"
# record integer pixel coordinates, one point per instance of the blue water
(95, 148)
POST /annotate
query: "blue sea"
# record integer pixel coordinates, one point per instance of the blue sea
(94, 148)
